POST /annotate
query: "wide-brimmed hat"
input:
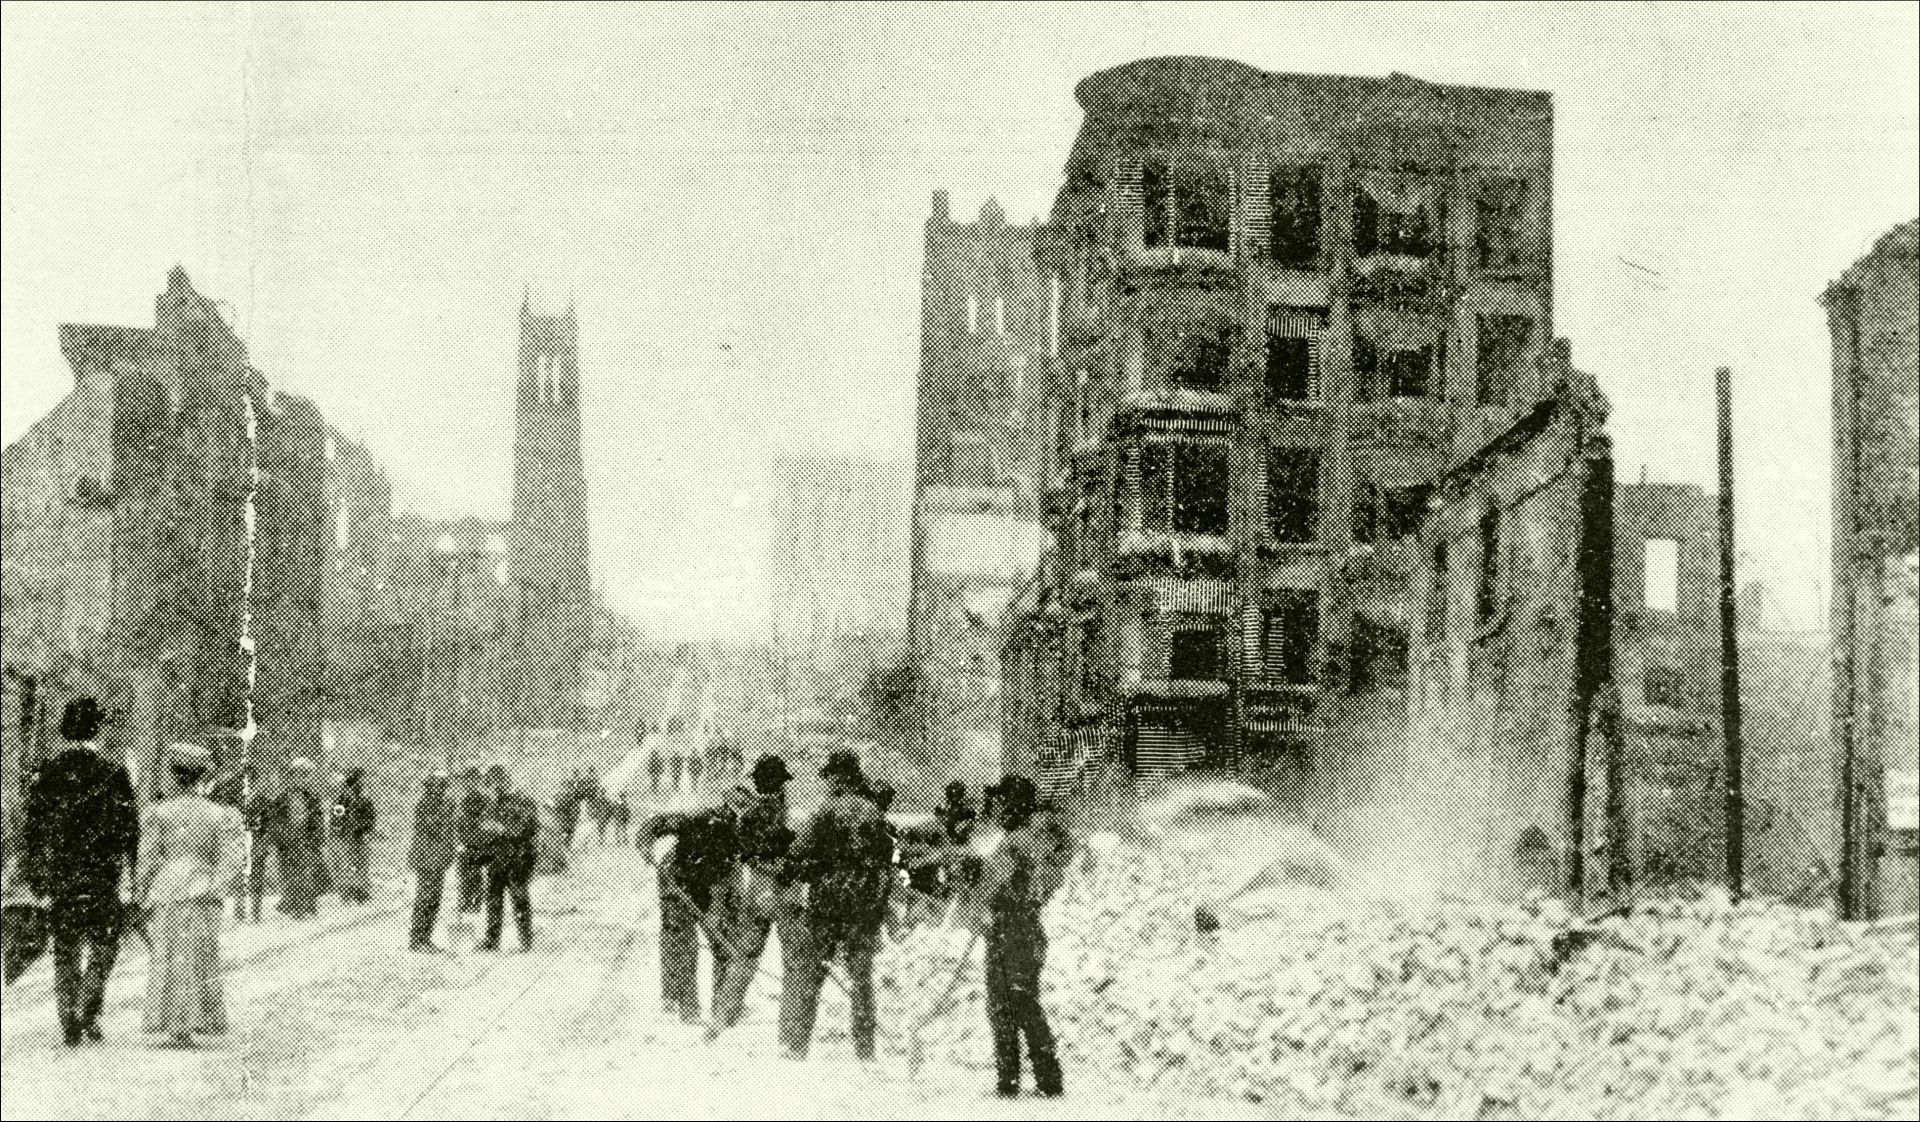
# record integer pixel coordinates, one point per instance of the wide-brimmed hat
(842, 764)
(770, 771)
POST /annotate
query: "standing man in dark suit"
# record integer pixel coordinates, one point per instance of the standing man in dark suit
(511, 827)
(82, 832)
(435, 840)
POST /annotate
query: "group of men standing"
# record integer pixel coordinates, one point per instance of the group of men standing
(738, 873)
(488, 837)
(317, 845)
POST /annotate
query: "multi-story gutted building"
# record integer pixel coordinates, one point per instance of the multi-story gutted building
(986, 344)
(1285, 303)
(838, 567)
(1872, 311)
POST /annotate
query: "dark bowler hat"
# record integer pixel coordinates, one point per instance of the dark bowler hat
(770, 773)
(1018, 794)
(80, 720)
(842, 764)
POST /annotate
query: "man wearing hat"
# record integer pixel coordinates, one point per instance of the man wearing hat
(511, 828)
(81, 831)
(843, 861)
(1022, 873)
(299, 829)
(435, 841)
(766, 904)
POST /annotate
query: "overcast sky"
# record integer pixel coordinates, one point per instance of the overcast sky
(734, 198)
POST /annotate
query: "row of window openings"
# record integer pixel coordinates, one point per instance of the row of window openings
(1289, 635)
(999, 315)
(1293, 363)
(1184, 488)
(1189, 208)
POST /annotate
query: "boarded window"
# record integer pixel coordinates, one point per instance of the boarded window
(1500, 230)
(1487, 600)
(1662, 575)
(1296, 216)
(1289, 632)
(1379, 656)
(1200, 361)
(1502, 348)
(1293, 352)
(1193, 654)
(1293, 494)
(1664, 685)
(1183, 488)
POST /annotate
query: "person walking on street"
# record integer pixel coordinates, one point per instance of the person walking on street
(255, 807)
(191, 856)
(695, 898)
(511, 827)
(435, 841)
(655, 766)
(353, 819)
(843, 858)
(1022, 873)
(298, 829)
(81, 832)
(767, 903)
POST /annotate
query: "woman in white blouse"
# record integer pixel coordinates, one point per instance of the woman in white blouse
(192, 852)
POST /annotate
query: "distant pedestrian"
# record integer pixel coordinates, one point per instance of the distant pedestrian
(679, 770)
(511, 828)
(435, 842)
(298, 829)
(843, 857)
(622, 819)
(254, 810)
(695, 900)
(768, 901)
(695, 764)
(1022, 873)
(655, 767)
(191, 856)
(353, 820)
(81, 832)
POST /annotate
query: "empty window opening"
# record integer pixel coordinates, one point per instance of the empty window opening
(1379, 656)
(1379, 372)
(1662, 575)
(1503, 344)
(1193, 654)
(1500, 229)
(1184, 207)
(1183, 488)
(1394, 215)
(1293, 494)
(1199, 362)
(1296, 216)
(1487, 602)
(1293, 352)
(1366, 512)
(1401, 509)
(1289, 633)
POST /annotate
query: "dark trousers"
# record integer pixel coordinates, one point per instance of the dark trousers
(806, 972)
(299, 878)
(1016, 952)
(510, 876)
(766, 911)
(429, 887)
(680, 936)
(86, 940)
(473, 881)
(256, 887)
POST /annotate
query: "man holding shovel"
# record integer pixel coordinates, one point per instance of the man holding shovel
(695, 897)
(766, 905)
(1019, 876)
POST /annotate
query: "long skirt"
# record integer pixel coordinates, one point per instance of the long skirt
(183, 982)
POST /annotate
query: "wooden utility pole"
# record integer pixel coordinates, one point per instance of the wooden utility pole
(1736, 806)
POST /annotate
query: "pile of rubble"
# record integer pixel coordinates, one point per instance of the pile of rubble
(1327, 1005)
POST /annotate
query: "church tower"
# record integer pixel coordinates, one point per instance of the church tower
(552, 583)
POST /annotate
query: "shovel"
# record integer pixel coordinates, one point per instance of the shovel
(917, 1047)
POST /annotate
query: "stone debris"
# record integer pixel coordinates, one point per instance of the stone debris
(1326, 1004)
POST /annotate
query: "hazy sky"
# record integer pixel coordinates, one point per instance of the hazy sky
(735, 198)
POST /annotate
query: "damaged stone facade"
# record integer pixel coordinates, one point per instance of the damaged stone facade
(1872, 311)
(1285, 303)
(987, 338)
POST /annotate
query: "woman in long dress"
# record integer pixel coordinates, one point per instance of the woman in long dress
(191, 853)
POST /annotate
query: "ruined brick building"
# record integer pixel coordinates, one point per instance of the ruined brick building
(988, 335)
(1285, 303)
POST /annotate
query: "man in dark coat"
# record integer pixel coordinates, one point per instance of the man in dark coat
(298, 828)
(957, 814)
(844, 859)
(471, 874)
(511, 827)
(435, 840)
(354, 816)
(1022, 873)
(767, 904)
(82, 831)
(696, 897)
